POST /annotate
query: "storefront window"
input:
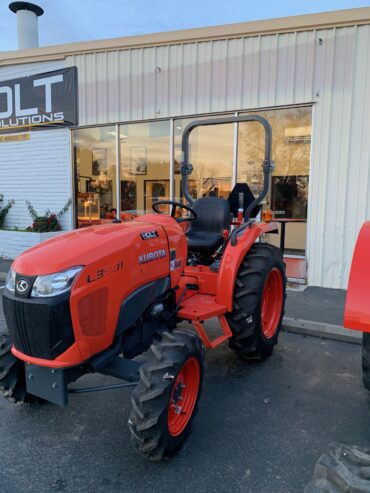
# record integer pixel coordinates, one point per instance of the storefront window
(291, 139)
(95, 168)
(145, 165)
(211, 154)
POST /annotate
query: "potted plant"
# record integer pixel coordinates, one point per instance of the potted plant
(47, 223)
(4, 210)
(43, 227)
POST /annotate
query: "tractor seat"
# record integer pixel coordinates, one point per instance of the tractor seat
(205, 234)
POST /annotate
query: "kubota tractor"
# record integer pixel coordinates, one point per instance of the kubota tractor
(357, 309)
(108, 298)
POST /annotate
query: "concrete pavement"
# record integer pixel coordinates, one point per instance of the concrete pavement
(260, 429)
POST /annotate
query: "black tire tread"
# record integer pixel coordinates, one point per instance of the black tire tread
(12, 376)
(247, 340)
(366, 359)
(148, 417)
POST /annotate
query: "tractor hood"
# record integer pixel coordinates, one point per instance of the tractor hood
(88, 246)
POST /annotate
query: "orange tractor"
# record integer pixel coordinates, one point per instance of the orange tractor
(107, 299)
(357, 309)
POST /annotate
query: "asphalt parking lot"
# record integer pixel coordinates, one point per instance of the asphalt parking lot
(260, 429)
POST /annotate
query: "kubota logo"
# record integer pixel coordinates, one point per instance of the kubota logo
(149, 257)
(22, 286)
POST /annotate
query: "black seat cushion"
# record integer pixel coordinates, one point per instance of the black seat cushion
(205, 234)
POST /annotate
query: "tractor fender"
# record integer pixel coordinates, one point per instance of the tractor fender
(357, 309)
(233, 257)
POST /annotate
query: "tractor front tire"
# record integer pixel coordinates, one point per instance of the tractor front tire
(366, 359)
(12, 376)
(258, 302)
(165, 399)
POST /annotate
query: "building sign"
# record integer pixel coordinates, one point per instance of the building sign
(14, 138)
(41, 100)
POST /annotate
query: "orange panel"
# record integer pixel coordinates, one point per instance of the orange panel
(92, 312)
(295, 267)
(357, 309)
(178, 246)
(233, 257)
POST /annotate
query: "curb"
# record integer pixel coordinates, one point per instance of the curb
(302, 327)
(322, 330)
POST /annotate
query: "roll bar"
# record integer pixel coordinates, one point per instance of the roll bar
(268, 164)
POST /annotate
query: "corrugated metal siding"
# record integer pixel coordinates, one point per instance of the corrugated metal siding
(330, 67)
(340, 181)
(203, 77)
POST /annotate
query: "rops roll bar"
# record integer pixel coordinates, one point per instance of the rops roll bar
(268, 164)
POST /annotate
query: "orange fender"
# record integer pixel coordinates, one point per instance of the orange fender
(232, 259)
(357, 309)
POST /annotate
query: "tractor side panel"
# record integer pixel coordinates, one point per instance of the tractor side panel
(178, 246)
(357, 309)
(232, 259)
(103, 286)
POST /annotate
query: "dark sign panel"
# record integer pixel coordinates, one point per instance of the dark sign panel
(42, 100)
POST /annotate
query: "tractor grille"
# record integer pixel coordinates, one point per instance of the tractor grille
(41, 328)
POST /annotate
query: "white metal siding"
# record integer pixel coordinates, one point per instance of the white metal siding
(339, 187)
(38, 170)
(329, 67)
(199, 77)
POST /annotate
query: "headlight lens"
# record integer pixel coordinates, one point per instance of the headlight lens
(10, 281)
(54, 284)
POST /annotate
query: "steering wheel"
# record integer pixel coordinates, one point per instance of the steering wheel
(173, 211)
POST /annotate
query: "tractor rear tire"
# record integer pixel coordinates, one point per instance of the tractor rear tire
(258, 303)
(165, 400)
(366, 359)
(12, 376)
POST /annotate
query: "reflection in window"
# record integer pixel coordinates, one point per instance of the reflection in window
(95, 166)
(291, 137)
(211, 154)
(145, 165)
(288, 197)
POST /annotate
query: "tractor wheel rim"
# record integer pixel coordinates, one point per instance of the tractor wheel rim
(183, 396)
(272, 302)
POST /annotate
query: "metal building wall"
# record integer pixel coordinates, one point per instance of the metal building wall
(329, 67)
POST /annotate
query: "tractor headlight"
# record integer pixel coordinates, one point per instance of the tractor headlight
(54, 284)
(10, 281)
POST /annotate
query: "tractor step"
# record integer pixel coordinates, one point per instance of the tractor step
(202, 307)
